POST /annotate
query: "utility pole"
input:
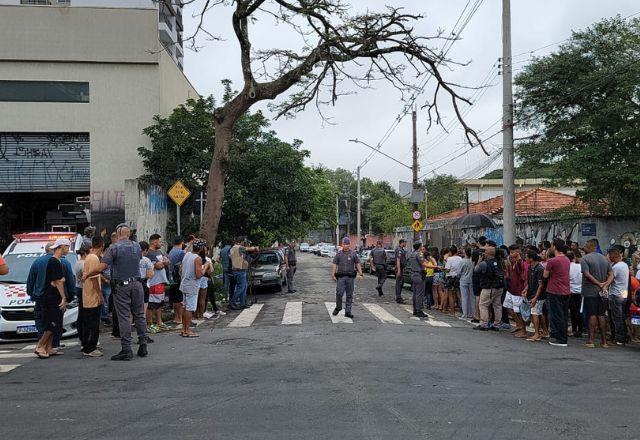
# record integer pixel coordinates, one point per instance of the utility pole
(508, 183)
(337, 220)
(414, 168)
(358, 218)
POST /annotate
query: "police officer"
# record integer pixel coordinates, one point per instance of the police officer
(378, 264)
(417, 263)
(291, 262)
(123, 257)
(345, 266)
(401, 262)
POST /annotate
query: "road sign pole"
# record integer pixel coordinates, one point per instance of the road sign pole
(178, 218)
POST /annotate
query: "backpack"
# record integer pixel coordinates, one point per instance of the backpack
(494, 275)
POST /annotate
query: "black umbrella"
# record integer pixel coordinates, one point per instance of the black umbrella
(476, 220)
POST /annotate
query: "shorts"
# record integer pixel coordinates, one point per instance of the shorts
(190, 301)
(154, 306)
(52, 318)
(538, 308)
(158, 289)
(175, 296)
(512, 302)
(204, 282)
(595, 306)
(453, 283)
(145, 289)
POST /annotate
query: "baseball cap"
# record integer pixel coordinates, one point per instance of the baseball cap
(60, 242)
(346, 240)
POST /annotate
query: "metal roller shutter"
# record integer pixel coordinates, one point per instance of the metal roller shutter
(44, 162)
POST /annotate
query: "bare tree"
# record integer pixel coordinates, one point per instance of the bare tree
(338, 46)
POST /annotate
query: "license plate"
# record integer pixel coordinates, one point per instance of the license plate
(635, 321)
(258, 282)
(23, 329)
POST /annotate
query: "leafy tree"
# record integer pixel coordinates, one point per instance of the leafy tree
(388, 213)
(583, 101)
(444, 193)
(271, 194)
(338, 46)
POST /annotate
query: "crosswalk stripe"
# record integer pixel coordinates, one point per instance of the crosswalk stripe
(7, 368)
(247, 316)
(292, 313)
(67, 344)
(340, 318)
(16, 355)
(381, 313)
(432, 321)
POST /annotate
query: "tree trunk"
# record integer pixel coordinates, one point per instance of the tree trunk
(215, 187)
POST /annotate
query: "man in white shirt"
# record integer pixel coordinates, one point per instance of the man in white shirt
(452, 268)
(575, 285)
(618, 291)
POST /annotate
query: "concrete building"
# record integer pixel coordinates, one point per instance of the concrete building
(77, 87)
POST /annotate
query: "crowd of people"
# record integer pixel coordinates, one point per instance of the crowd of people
(123, 282)
(558, 289)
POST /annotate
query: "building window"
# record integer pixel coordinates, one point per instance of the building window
(44, 91)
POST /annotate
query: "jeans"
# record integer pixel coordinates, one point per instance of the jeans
(490, 297)
(290, 274)
(344, 286)
(38, 317)
(468, 300)
(428, 291)
(616, 308)
(558, 316)
(106, 293)
(577, 320)
(90, 328)
(240, 292)
(229, 285)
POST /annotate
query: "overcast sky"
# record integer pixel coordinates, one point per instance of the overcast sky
(368, 114)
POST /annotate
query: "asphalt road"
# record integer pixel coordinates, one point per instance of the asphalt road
(316, 380)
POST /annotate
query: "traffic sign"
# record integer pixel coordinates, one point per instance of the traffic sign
(179, 193)
(417, 226)
(417, 215)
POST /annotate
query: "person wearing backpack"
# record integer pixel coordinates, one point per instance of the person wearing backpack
(492, 284)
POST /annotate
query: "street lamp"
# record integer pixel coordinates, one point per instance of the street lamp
(377, 150)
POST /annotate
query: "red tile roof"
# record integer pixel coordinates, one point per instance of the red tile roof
(530, 203)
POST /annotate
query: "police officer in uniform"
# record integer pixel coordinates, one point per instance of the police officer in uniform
(124, 258)
(291, 263)
(401, 262)
(346, 265)
(378, 263)
(418, 264)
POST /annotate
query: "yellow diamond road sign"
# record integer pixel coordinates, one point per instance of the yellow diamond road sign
(179, 193)
(417, 226)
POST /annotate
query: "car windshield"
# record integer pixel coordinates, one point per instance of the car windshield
(19, 265)
(267, 259)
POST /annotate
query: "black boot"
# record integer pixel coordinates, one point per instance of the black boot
(336, 311)
(123, 356)
(348, 315)
(142, 350)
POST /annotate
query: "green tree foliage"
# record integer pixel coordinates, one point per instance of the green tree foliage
(584, 103)
(271, 195)
(388, 213)
(444, 193)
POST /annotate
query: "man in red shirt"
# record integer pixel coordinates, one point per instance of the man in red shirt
(556, 276)
(517, 288)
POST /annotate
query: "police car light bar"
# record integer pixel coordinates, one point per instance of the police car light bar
(44, 236)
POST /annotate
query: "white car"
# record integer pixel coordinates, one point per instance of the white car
(16, 307)
(328, 251)
(304, 247)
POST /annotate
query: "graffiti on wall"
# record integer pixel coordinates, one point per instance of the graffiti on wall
(146, 208)
(107, 201)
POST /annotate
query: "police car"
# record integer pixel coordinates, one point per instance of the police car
(16, 307)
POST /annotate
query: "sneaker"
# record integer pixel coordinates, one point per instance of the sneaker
(494, 328)
(400, 301)
(481, 328)
(475, 321)
(123, 356)
(208, 315)
(505, 326)
(164, 326)
(336, 311)
(556, 343)
(94, 353)
(193, 325)
(380, 292)
(220, 313)
(419, 314)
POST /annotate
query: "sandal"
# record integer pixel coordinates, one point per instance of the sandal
(42, 355)
(589, 345)
(534, 339)
(190, 335)
(56, 353)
